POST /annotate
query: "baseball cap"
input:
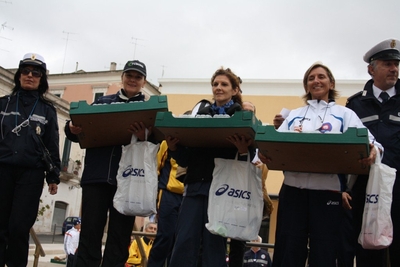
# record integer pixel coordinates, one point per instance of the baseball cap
(135, 65)
(76, 222)
(385, 50)
(33, 59)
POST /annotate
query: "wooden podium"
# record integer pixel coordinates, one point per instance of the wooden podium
(206, 131)
(107, 124)
(314, 152)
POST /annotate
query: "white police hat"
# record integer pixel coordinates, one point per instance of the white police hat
(386, 50)
(33, 59)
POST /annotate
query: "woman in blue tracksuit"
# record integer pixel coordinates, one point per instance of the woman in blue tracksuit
(99, 184)
(191, 232)
(25, 114)
(310, 210)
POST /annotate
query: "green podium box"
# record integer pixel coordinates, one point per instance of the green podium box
(206, 131)
(107, 124)
(314, 152)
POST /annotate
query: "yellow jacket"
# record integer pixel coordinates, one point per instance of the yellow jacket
(134, 253)
(168, 179)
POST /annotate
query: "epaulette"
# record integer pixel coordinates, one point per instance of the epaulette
(355, 95)
(4, 96)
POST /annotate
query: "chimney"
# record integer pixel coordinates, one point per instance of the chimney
(76, 67)
(113, 66)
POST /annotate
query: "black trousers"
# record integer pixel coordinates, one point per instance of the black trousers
(71, 260)
(168, 211)
(97, 203)
(20, 191)
(237, 250)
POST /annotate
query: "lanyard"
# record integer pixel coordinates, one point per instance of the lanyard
(26, 122)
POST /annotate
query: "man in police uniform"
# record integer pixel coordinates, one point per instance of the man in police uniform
(256, 256)
(378, 106)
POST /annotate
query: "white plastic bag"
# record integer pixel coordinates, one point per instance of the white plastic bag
(377, 228)
(137, 179)
(235, 200)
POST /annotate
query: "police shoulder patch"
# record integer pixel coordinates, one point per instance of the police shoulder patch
(363, 93)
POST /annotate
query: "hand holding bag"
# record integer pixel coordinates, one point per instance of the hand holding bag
(235, 201)
(137, 179)
(377, 228)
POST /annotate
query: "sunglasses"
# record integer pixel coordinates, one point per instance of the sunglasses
(17, 129)
(35, 73)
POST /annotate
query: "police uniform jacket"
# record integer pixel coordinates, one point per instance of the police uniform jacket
(256, 259)
(101, 163)
(22, 150)
(383, 121)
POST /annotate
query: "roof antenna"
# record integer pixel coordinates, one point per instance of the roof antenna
(135, 43)
(66, 45)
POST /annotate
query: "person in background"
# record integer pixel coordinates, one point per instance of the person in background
(99, 182)
(191, 234)
(379, 109)
(237, 248)
(135, 258)
(268, 205)
(71, 242)
(170, 189)
(25, 118)
(304, 218)
(256, 256)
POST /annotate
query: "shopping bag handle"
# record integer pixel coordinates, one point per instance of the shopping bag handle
(378, 155)
(248, 156)
(134, 137)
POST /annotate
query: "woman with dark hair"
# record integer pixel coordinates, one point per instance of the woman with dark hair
(191, 233)
(27, 122)
(309, 209)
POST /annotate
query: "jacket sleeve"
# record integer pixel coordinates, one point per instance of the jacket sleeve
(180, 155)
(72, 137)
(51, 139)
(68, 247)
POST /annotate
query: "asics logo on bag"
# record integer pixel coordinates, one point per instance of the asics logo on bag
(372, 198)
(232, 192)
(130, 171)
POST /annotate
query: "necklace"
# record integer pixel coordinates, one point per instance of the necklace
(322, 119)
(300, 127)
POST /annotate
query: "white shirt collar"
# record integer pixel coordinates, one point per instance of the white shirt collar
(391, 92)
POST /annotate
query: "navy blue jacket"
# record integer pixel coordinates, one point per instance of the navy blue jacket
(101, 163)
(258, 259)
(23, 151)
(383, 121)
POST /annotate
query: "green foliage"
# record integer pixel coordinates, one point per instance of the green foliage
(41, 210)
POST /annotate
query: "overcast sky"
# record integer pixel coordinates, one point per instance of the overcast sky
(257, 39)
